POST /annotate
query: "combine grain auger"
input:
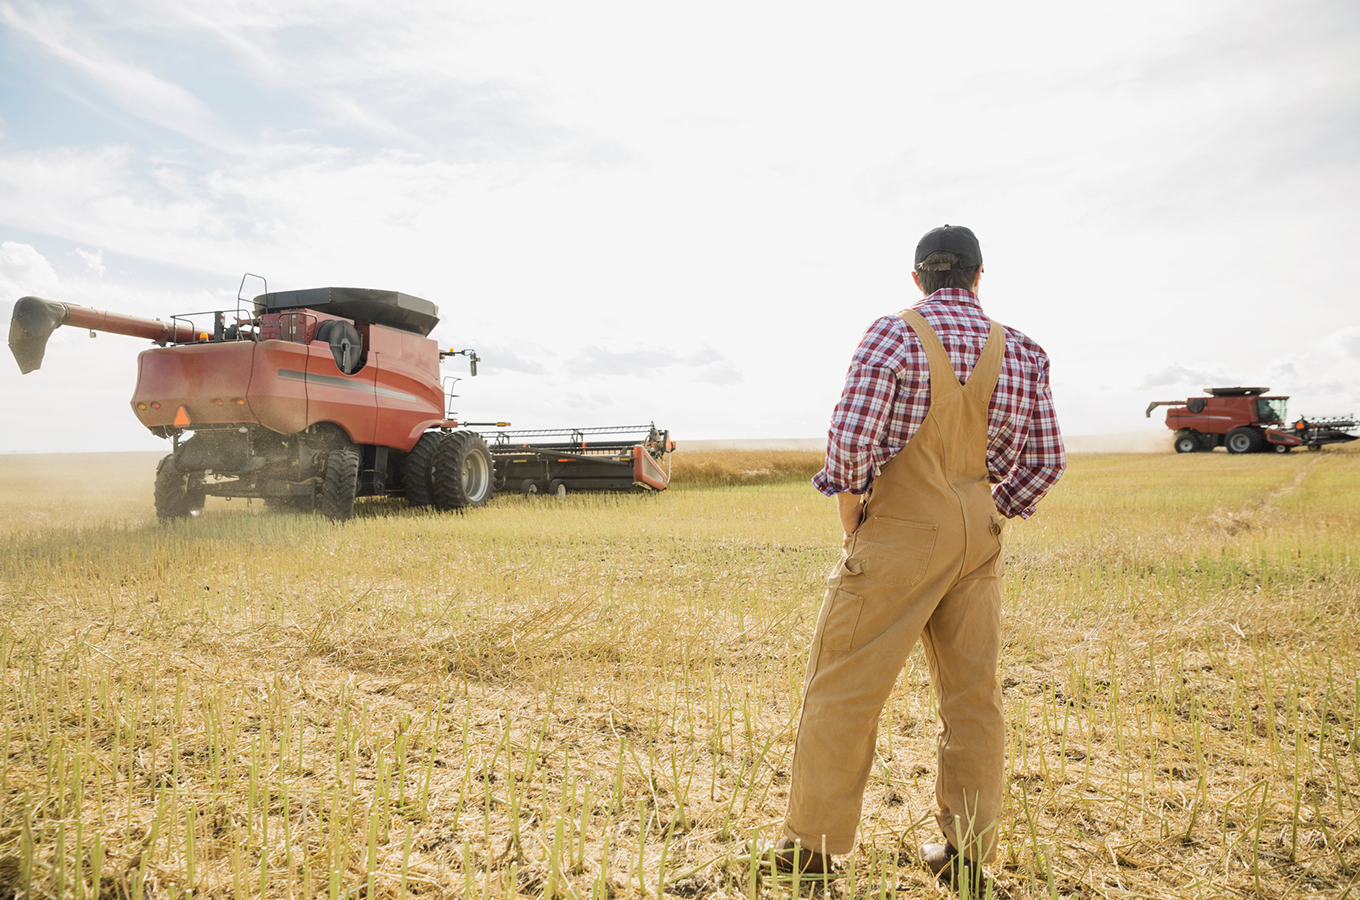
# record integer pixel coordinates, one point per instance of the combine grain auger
(311, 398)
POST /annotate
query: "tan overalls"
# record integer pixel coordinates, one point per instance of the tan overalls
(925, 562)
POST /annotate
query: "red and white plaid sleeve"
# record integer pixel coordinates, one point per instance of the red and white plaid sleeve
(857, 441)
(1041, 460)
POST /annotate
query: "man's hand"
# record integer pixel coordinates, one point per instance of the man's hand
(851, 509)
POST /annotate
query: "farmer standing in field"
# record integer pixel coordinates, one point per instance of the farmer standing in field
(944, 429)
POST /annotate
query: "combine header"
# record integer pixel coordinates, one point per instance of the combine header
(311, 398)
(1245, 420)
(622, 458)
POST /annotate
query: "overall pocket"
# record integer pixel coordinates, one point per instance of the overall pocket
(892, 551)
(840, 621)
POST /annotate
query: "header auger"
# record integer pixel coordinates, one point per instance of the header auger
(1245, 420)
(305, 399)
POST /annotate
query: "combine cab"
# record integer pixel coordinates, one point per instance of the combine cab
(1246, 420)
(307, 399)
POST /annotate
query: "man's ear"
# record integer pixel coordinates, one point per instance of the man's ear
(916, 277)
(977, 279)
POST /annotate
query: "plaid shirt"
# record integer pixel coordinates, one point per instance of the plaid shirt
(887, 396)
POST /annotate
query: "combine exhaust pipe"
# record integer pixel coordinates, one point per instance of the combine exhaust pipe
(35, 319)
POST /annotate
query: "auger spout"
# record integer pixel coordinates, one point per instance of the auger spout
(35, 319)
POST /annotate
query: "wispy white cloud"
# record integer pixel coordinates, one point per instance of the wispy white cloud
(704, 198)
(137, 90)
(23, 270)
(1180, 376)
(93, 261)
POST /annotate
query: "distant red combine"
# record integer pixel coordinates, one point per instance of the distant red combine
(310, 398)
(1245, 420)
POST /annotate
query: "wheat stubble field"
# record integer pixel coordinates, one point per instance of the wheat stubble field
(595, 697)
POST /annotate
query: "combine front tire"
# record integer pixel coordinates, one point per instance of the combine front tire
(415, 469)
(1280, 448)
(1186, 442)
(462, 471)
(340, 485)
(1244, 440)
(178, 494)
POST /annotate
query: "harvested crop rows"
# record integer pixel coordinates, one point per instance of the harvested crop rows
(595, 696)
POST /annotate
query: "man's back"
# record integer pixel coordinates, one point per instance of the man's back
(887, 396)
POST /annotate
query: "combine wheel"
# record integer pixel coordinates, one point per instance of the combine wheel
(1186, 442)
(1280, 448)
(178, 494)
(1244, 440)
(340, 485)
(415, 469)
(1312, 447)
(461, 473)
(557, 489)
(528, 488)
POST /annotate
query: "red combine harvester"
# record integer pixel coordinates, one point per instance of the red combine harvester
(315, 397)
(1244, 420)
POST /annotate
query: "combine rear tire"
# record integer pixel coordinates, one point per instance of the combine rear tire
(178, 494)
(340, 485)
(1244, 440)
(415, 469)
(461, 472)
(1186, 442)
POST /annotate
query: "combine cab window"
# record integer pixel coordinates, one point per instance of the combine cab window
(1269, 411)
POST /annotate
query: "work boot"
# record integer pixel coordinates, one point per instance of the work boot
(944, 862)
(786, 856)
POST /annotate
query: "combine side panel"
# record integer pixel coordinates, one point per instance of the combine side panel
(409, 397)
(1209, 416)
(350, 401)
(204, 380)
(279, 402)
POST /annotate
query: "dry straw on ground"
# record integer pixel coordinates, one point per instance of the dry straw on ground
(595, 696)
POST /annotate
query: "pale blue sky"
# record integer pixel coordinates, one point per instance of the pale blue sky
(690, 213)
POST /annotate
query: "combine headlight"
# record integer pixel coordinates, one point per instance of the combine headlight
(239, 401)
(141, 406)
(155, 405)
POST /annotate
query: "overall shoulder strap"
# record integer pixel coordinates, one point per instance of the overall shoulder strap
(982, 382)
(943, 380)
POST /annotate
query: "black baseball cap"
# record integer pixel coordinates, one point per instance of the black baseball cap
(951, 239)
